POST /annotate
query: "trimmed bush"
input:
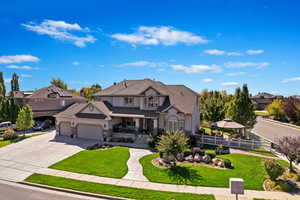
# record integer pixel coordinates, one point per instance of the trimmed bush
(273, 168)
(210, 153)
(227, 163)
(187, 152)
(10, 134)
(196, 150)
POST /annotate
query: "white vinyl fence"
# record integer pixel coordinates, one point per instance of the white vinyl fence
(234, 143)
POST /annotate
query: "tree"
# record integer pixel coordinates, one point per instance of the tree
(25, 119)
(291, 109)
(290, 148)
(172, 143)
(2, 85)
(89, 92)
(212, 106)
(241, 109)
(273, 168)
(9, 110)
(275, 109)
(59, 83)
(15, 83)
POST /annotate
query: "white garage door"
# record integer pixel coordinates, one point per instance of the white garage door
(65, 128)
(90, 131)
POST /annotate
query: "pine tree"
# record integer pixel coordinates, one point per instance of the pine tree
(15, 83)
(2, 85)
(241, 109)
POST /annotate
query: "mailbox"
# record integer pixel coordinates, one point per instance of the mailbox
(236, 186)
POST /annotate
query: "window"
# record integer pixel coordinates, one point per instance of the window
(151, 102)
(173, 124)
(128, 100)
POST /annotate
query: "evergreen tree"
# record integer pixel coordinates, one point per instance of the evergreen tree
(241, 109)
(9, 111)
(2, 85)
(15, 83)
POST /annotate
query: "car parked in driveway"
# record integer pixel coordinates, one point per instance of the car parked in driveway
(40, 126)
(6, 125)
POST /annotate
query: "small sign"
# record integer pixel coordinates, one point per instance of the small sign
(236, 186)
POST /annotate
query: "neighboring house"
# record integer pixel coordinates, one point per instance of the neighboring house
(263, 99)
(47, 101)
(132, 107)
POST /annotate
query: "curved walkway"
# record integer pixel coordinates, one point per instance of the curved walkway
(135, 169)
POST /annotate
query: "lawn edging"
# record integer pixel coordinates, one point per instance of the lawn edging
(113, 190)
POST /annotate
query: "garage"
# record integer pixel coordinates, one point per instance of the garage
(65, 128)
(90, 131)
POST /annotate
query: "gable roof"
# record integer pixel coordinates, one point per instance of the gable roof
(180, 96)
(44, 92)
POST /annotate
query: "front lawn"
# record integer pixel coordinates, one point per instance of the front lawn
(250, 168)
(112, 190)
(7, 142)
(108, 163)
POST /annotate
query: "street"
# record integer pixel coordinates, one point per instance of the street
(272, 131)
(15, 191)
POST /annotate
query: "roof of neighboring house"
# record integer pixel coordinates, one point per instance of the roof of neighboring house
(264, 95)
(180, 96)
(44, 92)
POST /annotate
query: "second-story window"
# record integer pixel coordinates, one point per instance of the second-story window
(128, 100)
(151, 102)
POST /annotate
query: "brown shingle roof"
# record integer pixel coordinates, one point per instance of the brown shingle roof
(180, 96)
(44, 92)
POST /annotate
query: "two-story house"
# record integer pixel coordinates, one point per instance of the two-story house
(132, 106)
(47, 101)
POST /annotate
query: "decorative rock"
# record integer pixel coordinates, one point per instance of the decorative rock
(161, 162)
(180, 157)
(197, 158)
(206, 159)
(220, 164)
(215, 161)
(189, 158)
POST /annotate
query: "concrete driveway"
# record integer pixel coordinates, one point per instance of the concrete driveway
(20, 160)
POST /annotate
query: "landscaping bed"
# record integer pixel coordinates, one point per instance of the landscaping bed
(15, 140)
(109, 162)
(190, 174)
(112, 190)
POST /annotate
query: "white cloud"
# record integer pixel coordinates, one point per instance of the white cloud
(217, 52)
(26, 67)
(7, 80)
(246, 64)
(161, 70)
(155, 35)
(61, 30)
(235, 74)
(255, 52)
(207, 80)
(75, 63)
(26, 75)
(18, 59)
(143, 63)
(229, 83)
(291, 80)
(197, 68)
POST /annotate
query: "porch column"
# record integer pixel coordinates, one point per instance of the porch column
(137, 123)
(155, 126)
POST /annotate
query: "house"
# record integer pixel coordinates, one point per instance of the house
(47, 101)
(263, 99)
(132, 107)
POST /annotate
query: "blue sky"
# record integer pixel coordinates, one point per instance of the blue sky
(211, 44)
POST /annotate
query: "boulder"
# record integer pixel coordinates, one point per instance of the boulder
(220, 163)
(197, 157)
(206, 159)
(189, 158)
(180, 157)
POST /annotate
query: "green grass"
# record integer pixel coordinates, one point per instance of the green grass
(7, 142)
(112, 190)
(261, 113)
(250, 168)
(108, 163)
(264, 153)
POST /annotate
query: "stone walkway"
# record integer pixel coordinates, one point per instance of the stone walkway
(220, 193)
(135, 169)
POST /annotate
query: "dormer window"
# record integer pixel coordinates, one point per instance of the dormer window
(128, 100)
(151, 102)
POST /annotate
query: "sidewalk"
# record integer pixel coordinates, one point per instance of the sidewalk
(220, 193)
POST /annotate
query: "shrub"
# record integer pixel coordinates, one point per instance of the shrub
(210, 153)
(227, 163)
(187, 152)
(196, 150)
(273, 168)
(151, 142)
(10, 134)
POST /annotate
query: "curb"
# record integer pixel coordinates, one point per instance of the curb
(283, 124)
(72, 191)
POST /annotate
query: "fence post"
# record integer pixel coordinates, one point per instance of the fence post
(215, 139)
(252, 144)
(202, 139)
(239, 143)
